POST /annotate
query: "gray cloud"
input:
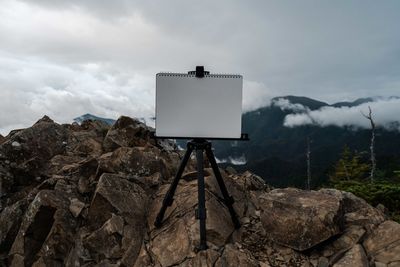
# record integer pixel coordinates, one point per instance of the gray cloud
(64, 93)
(69, 57)
(384, 112)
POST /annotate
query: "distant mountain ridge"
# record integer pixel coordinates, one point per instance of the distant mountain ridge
(355, 103)
(302, 100)
(108, 121)
(278, 153)
(313, 104)
(88, 116)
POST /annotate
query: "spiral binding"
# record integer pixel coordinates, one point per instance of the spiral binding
(171, 74)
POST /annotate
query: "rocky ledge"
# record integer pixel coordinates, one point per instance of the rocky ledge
(87, 195)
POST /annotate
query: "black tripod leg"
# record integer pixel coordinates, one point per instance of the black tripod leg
(227, 198)
(201, 211)
(169, 197)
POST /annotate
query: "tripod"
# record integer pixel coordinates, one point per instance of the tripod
(200, 145)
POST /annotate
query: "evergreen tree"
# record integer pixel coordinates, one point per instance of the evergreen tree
(349, 167)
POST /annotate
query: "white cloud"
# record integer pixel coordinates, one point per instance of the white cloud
(284, 104)
(384, 111)
(233, 160)
(255, 95)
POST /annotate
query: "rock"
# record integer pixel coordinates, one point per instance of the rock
(83, 185)
(118, 213)
(16, 145)
(300, 219)
(172, 245)
(137, 162)
(382, 208)
(2, 139)
(348, 239)
(126, 132)
(165, 144)
(206, 258)
(359, 212)
(45, 119)
(105, 241)
(232, 257)
(114, 194)
(97, 126)
(9, 227)
(76, 207)
(17, 261)
(144, 258)
(231, 170)
(107, 263)
(6, 180)
(85, 143)
(354, 257)
(384, 243)
(179, 235)
(63, 164)
(86, 139)
(47, 231)
(250, 181)
(29, 149)
(323, 262)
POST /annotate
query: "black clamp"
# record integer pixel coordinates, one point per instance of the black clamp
(199, 72)
(244, 137)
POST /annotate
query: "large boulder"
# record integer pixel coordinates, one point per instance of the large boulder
(9, 228)
(126, 132)
(116, 219)
(357, 210)
(138, 162)
(176, 240)
(86, 139)
(46, 233)
(301, 219)
(383, 245)
(26, 151)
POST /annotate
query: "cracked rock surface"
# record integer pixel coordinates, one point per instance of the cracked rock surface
(88, 195)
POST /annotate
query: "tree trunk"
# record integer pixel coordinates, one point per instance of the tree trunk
(372, 145)
(308, 164)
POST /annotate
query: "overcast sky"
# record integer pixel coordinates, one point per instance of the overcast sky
(67, 58)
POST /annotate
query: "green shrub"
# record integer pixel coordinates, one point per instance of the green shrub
(379, 192)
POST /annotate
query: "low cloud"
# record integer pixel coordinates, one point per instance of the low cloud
(284, 104)
(233, 160)
(385, 113)
(255, 95)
